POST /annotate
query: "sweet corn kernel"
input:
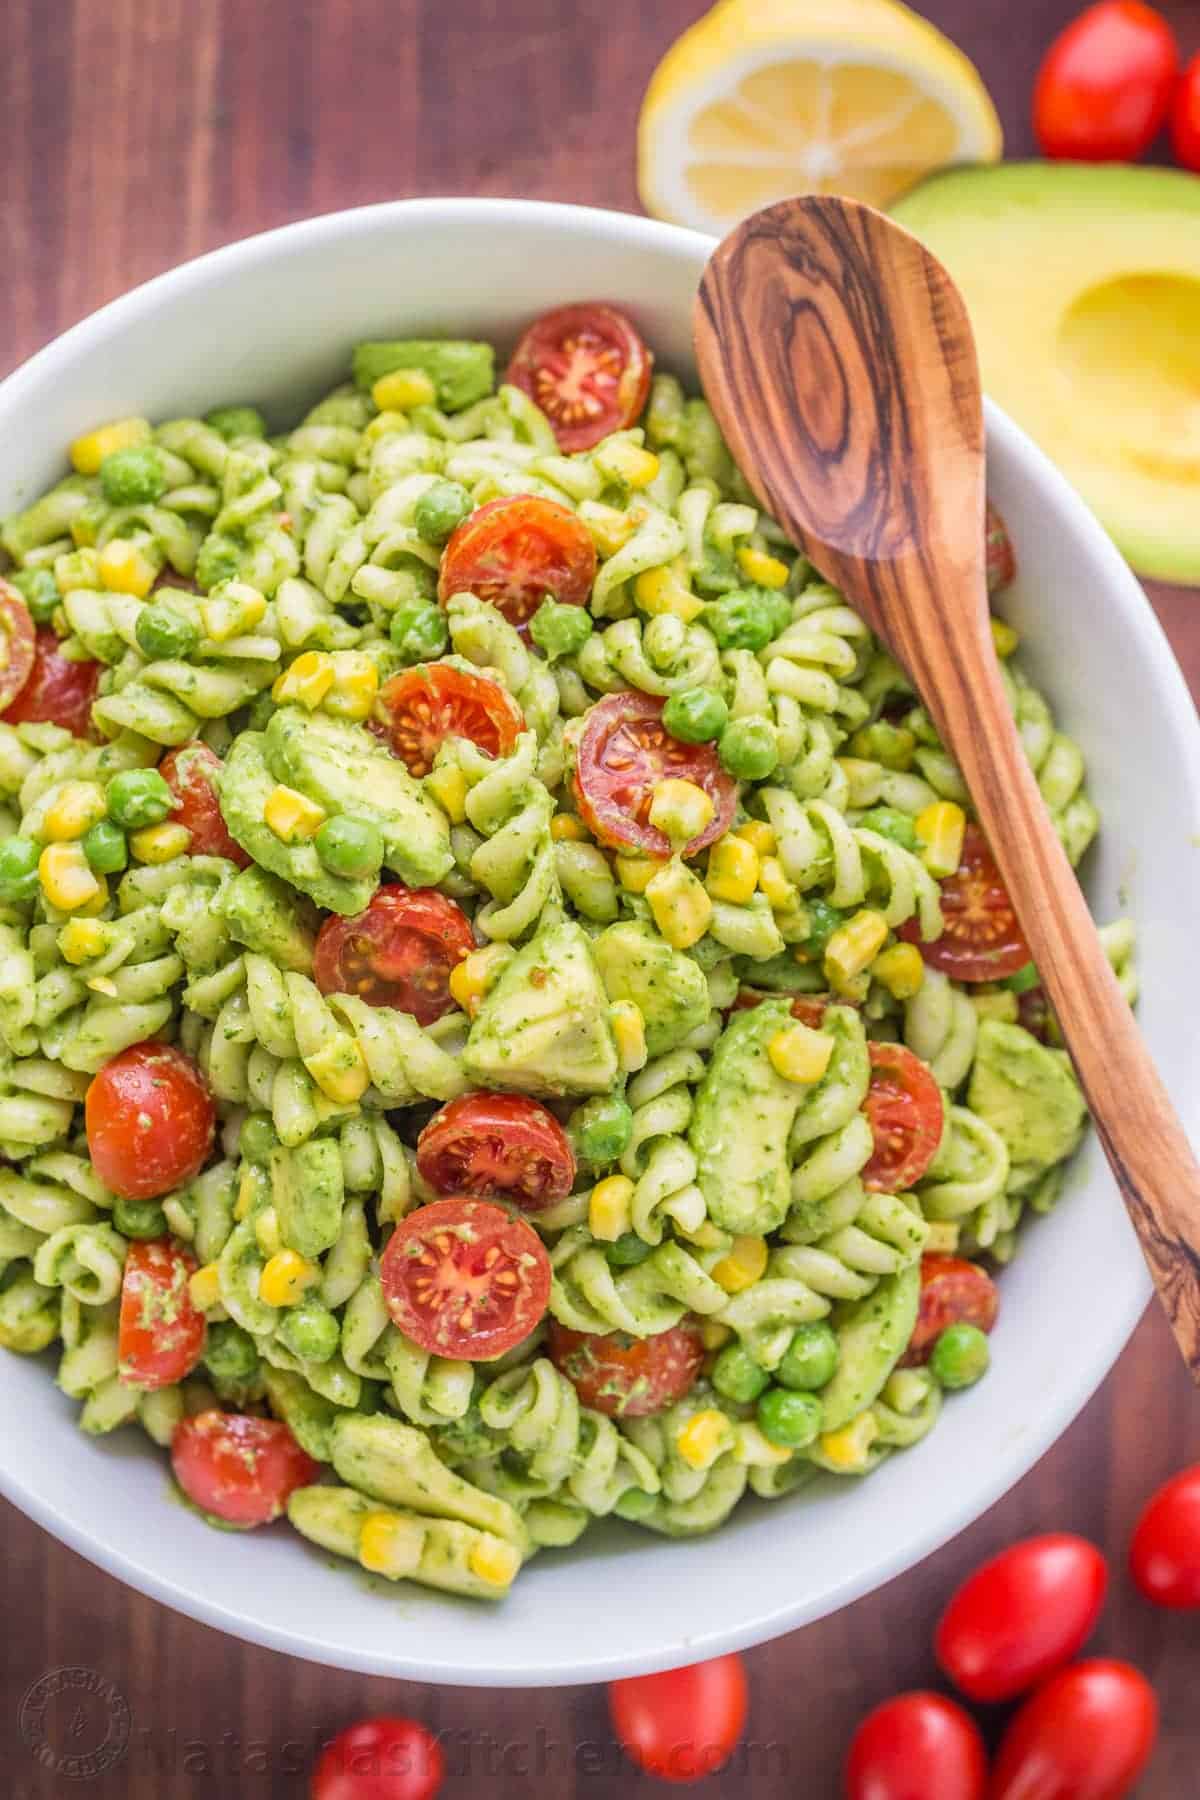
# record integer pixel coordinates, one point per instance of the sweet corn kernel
(1002, 1005)
(901, 968)
(714, 1335)
(306, 682)
(848, 1450)
(78, 806)
(493, 1560)
(733, 870)
(943, 1237)
(126, 569)
(629, 1030)
(703, 1438)
(237, 608)
(81, 939)
(620, 460)
(609, 527)
(204, 1288)
(764, 570)
(266, 1231)
(286, 1278)
(635, 873)
(941, 828)
(340, 1070)
(680, 810)
(403, 388)
(854, 946)
(448, 785)
(680, 905)
(159, 843)
(781, 893)
(758, 833)
(743, 1264)
(292, 816)
(355, 685)
(658, 591)
(608, 1208)
(799, 1053)
(89, 451)
(390, 1544)
(755, 1450)
(1004, 637)
(473, 976)
(565, 828)
(66, 880)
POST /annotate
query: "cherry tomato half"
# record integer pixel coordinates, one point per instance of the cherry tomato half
(1001, 562)
(57, 692)
(188, 772)
(918, 1746)
(981, 937)
(399, 952)
(1086, 1734)
(238, 1468)
(380, 1759)
(464, 1278)
(1105, 84)
(417, 710)
(1165, 1553)
(500, 1146)
(1185, 117)
(624, 752)
(587, 368)
(1021, 1615)
(517, 551)
(904, 1106)
(628, 1377)
(681, 1724)
(16, 644)
(953, 1292)
(150, 1121)
(161, 1335)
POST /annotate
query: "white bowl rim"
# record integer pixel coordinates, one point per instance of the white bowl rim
(186, 1594)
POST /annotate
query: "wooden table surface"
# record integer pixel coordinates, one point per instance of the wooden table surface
(133, 134)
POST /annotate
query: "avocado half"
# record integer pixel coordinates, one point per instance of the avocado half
(1083, 285)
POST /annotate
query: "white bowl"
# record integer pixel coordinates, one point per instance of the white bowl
(272, 321)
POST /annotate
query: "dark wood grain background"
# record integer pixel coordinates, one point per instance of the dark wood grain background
(133, 134)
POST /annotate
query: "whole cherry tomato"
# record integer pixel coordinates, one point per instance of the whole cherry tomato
(150, 1120)
(239, 1469)
(1086, 1734)
(1165, 1554)
(916, 1747)
(1185, 117)
(683, 1723)
(1104, 87)
(380, 1759)
(1021, 1615)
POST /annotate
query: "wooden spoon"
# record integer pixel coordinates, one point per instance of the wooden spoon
(837, 356)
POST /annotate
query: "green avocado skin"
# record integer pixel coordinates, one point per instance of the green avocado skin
(1027, 1093)
(744, 1112)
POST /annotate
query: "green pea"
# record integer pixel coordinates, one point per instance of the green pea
(1023, 980)
(601, 1128)
(105, 848)
(310, 1331)
(811, 1358)
(39, 590)
(18, 869)
(961, 1356)
(749, 749)
(746, 619)
(139, 1218)
(349, 846)
(889, 822)
(134, 477)
(823, 921)
(627, 1251)
(257, 1139)
(440, 508)
(237, 421)
(560, 630)
(138, 797)
(418, 630)
(736, 1375)
(793, 1421)
(696, 715)
(163, 632)
(219, 560)
(229, 1352)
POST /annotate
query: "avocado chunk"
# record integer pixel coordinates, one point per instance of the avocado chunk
(872, 1335)
(1083, 285)
(461, 371)
(1027, 1093)
(244, 784)
(308, 1193)
(741, 1123)
(269, 917)
(667, 986)
(544, 1027)
(346, 770)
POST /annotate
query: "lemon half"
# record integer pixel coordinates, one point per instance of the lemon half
(766, 98)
